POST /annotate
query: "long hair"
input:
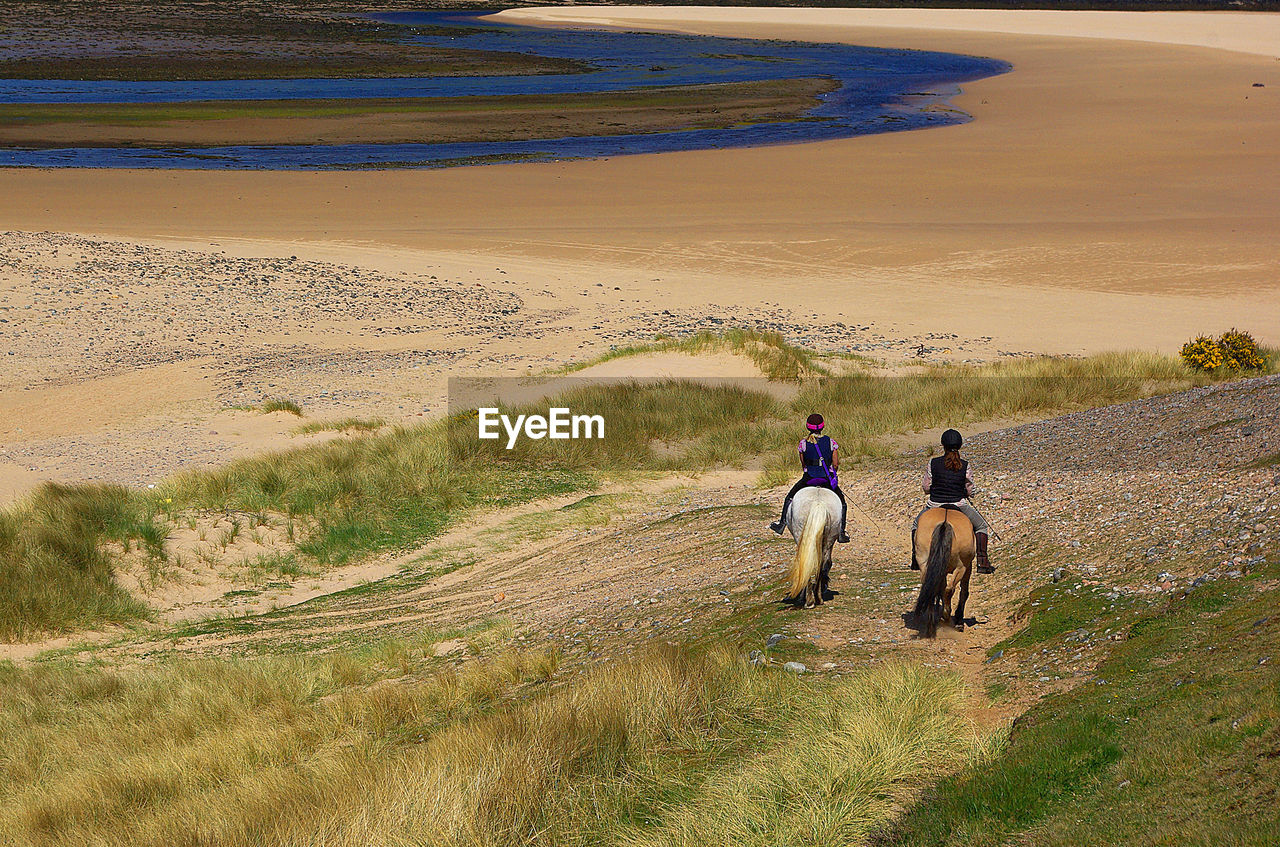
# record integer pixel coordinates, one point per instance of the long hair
(951, 459)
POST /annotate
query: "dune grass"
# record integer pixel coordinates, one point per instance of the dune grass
(55, 561)
(865, 409)
(281, 404)
(777, 359)
(376, 748)
(404, 485)
(346, 425)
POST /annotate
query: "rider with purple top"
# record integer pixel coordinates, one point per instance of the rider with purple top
(820, 459)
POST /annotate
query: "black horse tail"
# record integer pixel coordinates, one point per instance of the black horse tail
(934, 583)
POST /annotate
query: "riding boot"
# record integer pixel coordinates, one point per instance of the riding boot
(780, 525)
(844, 514)
(984, 564)
(915, 566)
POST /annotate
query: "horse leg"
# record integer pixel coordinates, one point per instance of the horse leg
(946, 598)
(964, 596)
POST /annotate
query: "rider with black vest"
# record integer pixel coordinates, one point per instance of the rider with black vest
(820, 458)
(949, 482)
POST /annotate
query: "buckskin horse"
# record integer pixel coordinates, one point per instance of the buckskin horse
(948, 557)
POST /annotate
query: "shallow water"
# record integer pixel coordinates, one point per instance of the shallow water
(881, 91)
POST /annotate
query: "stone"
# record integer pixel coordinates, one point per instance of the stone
(774, 639)
(794, 667)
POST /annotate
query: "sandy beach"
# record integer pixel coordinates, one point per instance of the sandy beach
(1118, 189)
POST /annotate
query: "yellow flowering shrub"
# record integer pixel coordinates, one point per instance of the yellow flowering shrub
(1240, 351)
(1203, 353)
(1234, 350)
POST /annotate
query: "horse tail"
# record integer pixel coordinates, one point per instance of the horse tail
(808, 559)
(934, 582)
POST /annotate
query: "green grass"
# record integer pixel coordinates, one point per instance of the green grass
(281, 404)
(1059, 608)
(383, 745)
(1269, 461)
(1175, 740)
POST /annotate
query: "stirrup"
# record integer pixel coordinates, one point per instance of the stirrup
(987, 568)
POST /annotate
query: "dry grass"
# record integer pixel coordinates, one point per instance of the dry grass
(864, 409)
(777, 360)
(672, 748)
(344, 425)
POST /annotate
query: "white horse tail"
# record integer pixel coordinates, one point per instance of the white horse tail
(808, 560)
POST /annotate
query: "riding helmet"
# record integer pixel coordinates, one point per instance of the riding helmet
(951, 440)
(814, 422)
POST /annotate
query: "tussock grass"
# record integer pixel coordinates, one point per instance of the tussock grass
(281, 404)
(777, 359)
(55, 568)
(344, 750)
(342, 425)
(197, 752)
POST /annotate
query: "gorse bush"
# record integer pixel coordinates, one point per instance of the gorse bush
(1234, 350)
(1240, 351)
(1202, 353)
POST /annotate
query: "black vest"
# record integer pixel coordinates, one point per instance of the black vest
(948, 486)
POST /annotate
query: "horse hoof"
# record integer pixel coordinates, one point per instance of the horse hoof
(808, 605)
(959, 627)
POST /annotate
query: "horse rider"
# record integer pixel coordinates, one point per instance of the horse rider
(820, 459)
(948, 480)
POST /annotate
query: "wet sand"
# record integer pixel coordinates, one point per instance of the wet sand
(1108, 194)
